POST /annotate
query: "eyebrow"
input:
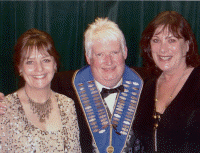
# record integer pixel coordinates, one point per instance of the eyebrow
(44, 56)
(156, 35)
(171, 36)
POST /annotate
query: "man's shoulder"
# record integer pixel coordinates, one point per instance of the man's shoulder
(142, 71)
(64, 74)
(62, 83)
(63, 78)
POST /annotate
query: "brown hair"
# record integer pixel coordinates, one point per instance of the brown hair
(30, 40)
(179, 27)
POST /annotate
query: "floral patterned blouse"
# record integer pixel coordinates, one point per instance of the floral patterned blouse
(18, 135)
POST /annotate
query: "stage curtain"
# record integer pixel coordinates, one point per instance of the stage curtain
(66, 22)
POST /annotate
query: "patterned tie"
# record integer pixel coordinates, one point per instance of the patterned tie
(106, 92)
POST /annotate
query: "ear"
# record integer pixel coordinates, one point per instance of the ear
(20, 72)
(125, 53)
(55, 67)
(88, 59)
(187, 46)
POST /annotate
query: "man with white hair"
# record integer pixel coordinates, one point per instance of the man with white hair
(107, 89)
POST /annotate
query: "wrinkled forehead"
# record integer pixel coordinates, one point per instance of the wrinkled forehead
(168, 31)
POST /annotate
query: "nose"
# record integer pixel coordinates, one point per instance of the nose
(163, 47)
(39, 66)
(108, 59)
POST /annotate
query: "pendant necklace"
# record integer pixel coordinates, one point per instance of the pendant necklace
(42, 110)
(170, 97)
(156, 115)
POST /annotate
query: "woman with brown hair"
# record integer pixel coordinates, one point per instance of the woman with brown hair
(38, 119)
(168, 117)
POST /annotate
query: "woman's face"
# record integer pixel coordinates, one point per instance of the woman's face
(168, 51)
(38, 70)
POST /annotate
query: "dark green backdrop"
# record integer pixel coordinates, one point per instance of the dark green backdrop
(66, 21)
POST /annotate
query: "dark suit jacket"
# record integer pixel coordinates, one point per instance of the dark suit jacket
(179, 127)
(62, 83)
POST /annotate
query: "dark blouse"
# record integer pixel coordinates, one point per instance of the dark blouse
(179, 127)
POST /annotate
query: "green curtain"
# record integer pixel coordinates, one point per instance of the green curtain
(66, 22)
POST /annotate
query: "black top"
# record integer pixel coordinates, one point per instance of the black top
(179, 127)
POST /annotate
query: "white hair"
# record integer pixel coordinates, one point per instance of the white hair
(103, 26)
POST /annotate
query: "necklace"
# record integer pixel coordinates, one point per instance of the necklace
(170, 97)
(42, 110)
(156, 115)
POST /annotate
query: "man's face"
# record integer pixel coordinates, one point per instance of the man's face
(107, 62)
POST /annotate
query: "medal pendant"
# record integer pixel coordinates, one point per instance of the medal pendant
(110, 149)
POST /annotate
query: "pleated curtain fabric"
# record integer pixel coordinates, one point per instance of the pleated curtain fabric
(66, 22)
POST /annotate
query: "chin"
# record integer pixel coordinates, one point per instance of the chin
(109, 78)
(166, 69)
(42, 86)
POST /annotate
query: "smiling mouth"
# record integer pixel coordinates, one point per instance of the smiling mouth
(165, 58)
(108, 69)
(39, 76)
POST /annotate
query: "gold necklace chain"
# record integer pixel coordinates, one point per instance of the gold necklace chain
(157, 116)
(170, 97)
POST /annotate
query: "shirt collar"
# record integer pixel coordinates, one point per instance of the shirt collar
(100, 86)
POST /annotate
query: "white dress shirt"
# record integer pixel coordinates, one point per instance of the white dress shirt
(111, 98)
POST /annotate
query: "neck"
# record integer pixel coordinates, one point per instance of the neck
(38, 95)
(175, 74)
